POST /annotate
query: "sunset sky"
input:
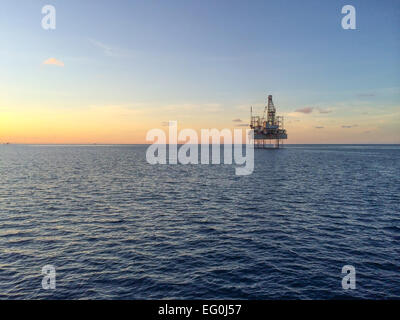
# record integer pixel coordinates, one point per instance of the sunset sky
(112, 70)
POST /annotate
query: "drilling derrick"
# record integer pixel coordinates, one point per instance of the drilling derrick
(270, 113)
(268, 128)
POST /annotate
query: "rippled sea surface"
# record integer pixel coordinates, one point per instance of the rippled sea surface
(116, 227)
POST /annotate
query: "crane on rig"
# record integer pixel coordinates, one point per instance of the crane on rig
(269, 127)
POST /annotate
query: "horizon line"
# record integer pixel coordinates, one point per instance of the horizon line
(147, 144)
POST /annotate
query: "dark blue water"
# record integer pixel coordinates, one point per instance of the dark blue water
(117, 227)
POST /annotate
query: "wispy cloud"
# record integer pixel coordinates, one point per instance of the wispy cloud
(237, 120)
(108, 50)
(348, 126)
(324, 110)
(305, 110)
(319, 127)
(366, 95)
(54, 62)
(242, 125)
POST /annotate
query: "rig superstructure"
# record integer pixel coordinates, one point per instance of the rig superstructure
(268, 128)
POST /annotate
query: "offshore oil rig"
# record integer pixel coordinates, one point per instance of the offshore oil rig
(269, 128)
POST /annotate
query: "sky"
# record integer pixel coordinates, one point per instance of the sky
(112, 70)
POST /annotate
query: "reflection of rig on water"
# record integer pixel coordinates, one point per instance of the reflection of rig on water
(268, 128)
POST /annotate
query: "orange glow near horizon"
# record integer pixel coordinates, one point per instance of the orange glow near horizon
(116, 124)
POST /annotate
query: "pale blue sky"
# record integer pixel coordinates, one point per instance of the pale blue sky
(203, 52)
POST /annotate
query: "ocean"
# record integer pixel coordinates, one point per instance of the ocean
(115, 227)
